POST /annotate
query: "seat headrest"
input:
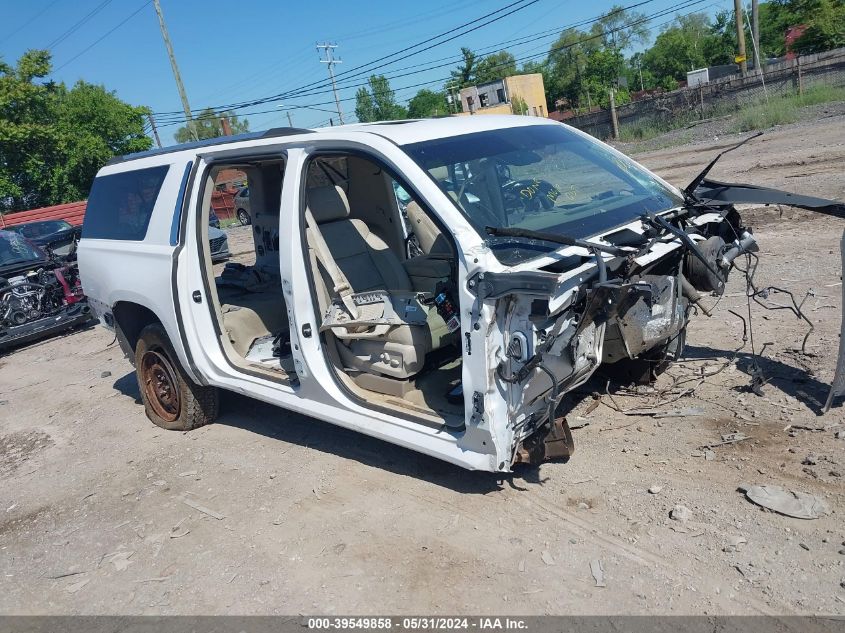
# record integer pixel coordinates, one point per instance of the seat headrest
(328, 204)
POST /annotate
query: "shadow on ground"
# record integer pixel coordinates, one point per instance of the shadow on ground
(795, 381)
(270, 421)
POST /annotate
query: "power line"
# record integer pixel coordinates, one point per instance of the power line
(680, 5)
(276, 67)
(522, 40)
(316, 92)
(73, 29)
(317, 84)
(362, 69)
(29, 21)
(104, 36)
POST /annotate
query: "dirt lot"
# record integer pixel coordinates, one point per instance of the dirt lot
(301, 517)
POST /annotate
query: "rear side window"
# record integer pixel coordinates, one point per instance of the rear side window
(120, 206)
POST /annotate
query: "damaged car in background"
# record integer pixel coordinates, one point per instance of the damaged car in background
(441, 285)
(40, 292)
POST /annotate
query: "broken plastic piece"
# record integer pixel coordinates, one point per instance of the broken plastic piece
(800, 505)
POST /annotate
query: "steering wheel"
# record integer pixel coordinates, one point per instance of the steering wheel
(530, 195)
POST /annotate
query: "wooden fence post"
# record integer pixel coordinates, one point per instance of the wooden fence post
(614, 122)
(800, 78)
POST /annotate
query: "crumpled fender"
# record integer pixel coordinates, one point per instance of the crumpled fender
(714, 192)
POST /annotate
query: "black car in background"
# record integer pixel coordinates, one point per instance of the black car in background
(58, 235)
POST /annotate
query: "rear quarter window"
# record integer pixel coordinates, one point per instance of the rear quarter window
(120, 205)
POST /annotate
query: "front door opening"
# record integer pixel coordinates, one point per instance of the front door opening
(384, 274)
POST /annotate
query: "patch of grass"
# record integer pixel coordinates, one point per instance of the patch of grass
(820, 94)
(229, 223)
(782, 110)
(640, 132)
(765, 115)
(755, 116)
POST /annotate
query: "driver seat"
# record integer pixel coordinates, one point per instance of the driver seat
(368, 264)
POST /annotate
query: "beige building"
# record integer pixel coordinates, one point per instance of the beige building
(506, 96)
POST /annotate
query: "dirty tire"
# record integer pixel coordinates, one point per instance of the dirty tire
(171, 399)
(243, 217)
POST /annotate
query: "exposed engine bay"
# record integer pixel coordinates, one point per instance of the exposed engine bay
(40, 293)
(625, 309)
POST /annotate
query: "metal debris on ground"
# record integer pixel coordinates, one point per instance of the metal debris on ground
(800, 505)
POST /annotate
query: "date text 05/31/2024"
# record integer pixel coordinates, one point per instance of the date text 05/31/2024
(418, 623)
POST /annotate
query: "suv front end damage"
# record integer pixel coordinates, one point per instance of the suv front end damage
(625, 303)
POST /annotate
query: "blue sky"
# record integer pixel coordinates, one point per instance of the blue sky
(234, 52)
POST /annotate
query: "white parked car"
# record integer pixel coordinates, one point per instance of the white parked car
(218, 244)
(539, 254)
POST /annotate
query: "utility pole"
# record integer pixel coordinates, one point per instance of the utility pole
(290, 120)
(330, 61)
(451, 99)
(755, 35)
(155, 130)
(740, 38)
(179, 86)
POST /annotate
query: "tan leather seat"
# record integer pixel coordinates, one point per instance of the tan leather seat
(368, 264)
(250, 316)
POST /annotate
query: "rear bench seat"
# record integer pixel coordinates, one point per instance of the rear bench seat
(248, 316)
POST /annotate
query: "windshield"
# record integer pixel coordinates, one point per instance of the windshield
(15, 249)
(38, 229)
(543, 178)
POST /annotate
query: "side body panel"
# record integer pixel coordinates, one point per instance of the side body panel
(114, 271)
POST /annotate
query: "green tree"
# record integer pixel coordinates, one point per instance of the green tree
(427, 103)
(53, 140)
(775, 19)
(519, 106)
(495, 67)
(617, 31)
(620, 29)
(683, 46)
(378, 103)
(566, 64)
(825, 21)
(95, 126)
(464, 75)
(208, 125)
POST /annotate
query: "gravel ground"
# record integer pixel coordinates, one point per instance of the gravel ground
(286, 514)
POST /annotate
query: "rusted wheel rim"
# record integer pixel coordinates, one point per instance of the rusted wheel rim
(160, 386)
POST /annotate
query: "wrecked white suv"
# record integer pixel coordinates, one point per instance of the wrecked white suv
(437, 284)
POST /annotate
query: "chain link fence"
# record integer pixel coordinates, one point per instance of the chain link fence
(669, 109)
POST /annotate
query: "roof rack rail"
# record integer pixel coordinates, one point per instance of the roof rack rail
(219, 140)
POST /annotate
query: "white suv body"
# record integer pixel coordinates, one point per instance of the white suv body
(523, 339)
